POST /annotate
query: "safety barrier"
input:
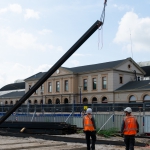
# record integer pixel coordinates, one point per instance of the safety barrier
(104, 120)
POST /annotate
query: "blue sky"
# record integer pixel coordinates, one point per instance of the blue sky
(34, 34)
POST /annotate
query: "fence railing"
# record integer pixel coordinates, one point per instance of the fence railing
(75, 117)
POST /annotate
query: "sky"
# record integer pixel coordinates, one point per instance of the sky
(34, 34)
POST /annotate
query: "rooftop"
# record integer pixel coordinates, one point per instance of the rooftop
(13, 94)
(13, 86)
(87, 68)
(135, 85)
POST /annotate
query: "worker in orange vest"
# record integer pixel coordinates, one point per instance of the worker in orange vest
(129, 129)
(89, 129)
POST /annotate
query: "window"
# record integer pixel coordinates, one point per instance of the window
(6, 102)
(11, 102)
(104, 99)
(104, 82)
(120, 79)
(57, 86)
(66, 85)
(35, 101)
(94, 83)
(132, 99)
(29, 87)
(29, 101)
(85, 101)
(146, 98)
(41, 102)
(129, 66)
(57, 101)
(85, 84)
(50, 87)
(49, 101)
(42, 88)
(94, 100)
(36, 91)
(66, 101)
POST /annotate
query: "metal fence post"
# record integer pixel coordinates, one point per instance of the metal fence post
(143, 117)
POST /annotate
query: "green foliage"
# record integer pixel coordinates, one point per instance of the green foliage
(108, 133)
(79, 131)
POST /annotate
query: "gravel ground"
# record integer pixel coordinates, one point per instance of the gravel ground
(6, 139)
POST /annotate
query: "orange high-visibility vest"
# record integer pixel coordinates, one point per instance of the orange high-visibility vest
(88, 125)
(130, 125)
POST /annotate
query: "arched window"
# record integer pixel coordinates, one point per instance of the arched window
(11, 103)
(6, 102)
(57, 101)
(29, 101)
(16, 101)
(104, 100)
(41, 102)
(132, 99)
(49, 101)
(66, 101)
(85, 101)
(94, 100)
(146, 98)
(35, 101)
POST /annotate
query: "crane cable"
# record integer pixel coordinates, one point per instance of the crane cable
(102, 19)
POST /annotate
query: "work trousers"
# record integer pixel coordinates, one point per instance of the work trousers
(92, 135)
(129, 141)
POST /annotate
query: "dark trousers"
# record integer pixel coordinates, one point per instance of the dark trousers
(92, 135)
(129, 141)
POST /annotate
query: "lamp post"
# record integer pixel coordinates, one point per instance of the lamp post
(80, 87)
(2, 107)
(42, 110)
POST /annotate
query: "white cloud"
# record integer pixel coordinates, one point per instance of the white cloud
(139, 28)
(75, 63)
(31, 14)
(81, 55)
(18, 71)
(16, 8)
(122, 7)
(22, 40)
(42, 68)
(45, 31)
(3, 10)
(15, 71)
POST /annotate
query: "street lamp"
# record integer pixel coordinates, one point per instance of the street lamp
(2, 107)
(80, 87)
(41, 102)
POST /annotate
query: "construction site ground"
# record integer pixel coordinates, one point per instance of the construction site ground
(30, 143)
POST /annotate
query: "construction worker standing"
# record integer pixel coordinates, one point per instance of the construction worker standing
(129, 129)
(89, 129)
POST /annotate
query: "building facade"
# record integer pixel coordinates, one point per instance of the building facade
(110, 82)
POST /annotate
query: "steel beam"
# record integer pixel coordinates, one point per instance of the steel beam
(87, 34)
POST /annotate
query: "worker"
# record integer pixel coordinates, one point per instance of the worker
(89, 129)
(129, 129)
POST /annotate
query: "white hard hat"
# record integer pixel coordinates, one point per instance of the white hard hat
(89, 111)
(128, 109)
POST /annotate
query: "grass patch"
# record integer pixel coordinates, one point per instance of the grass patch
(80, 131)
(108, 133)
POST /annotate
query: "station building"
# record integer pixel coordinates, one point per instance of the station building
(121, 81)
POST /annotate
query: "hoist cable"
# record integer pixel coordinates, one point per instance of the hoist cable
(102, 18)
